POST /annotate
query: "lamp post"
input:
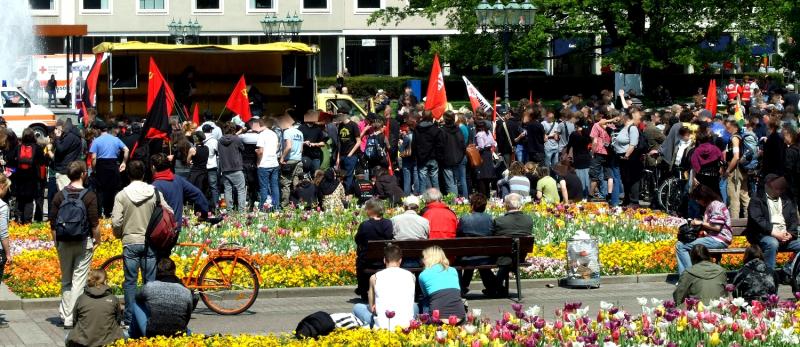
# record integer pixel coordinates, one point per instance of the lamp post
(184, 33)
(276, 28)
(505, 20)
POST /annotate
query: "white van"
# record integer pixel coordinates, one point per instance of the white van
(20, 112)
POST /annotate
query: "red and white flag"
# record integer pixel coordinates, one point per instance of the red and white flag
(436, 98)
(476, 99)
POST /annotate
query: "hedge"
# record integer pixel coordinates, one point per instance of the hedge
(547, 87)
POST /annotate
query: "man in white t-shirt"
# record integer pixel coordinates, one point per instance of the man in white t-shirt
(213, 175)
(391, 295)
(268, 166)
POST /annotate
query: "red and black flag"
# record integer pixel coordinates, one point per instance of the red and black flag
(89, 90)
(160, 103)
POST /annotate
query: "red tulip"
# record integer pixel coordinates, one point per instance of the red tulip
(264, 229)
(435, 315)
(389, 314)
(470, 317)
(452, 320)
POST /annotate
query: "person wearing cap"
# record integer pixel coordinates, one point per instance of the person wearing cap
(409, 225)
(772, 222)
(105, 150)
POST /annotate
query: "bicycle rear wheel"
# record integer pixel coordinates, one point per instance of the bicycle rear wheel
(670, 194)
(228, 286)
(115, 274)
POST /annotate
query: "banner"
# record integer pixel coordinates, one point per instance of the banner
(476, 98)
(436, 98)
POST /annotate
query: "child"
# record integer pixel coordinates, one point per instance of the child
(97, 314)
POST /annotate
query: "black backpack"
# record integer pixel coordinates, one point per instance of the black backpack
(642, 146)
(72, 222)
(315, 325)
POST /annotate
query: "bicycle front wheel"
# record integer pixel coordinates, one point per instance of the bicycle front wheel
(670, 194)
(228, 286)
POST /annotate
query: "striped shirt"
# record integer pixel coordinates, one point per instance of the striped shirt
(717, 214)
(520, 185)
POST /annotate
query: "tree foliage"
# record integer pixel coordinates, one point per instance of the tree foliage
(636, 34)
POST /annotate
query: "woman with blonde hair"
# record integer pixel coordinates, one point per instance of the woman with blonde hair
(97, 314)
(440, 285)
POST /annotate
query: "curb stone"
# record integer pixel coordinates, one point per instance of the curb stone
(10, 301)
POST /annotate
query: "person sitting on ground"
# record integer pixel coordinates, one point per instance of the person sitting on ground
(391, 291)
(442, 219)
(569, 184)
(409, 225)
(477, 223)
(754, 281)
(163, 307)
(517, 181)
(715, 228)
(439, 283)
(331, 190)
(705, 280)
(772, 223)
(386, 187)
(513, 223)
(546, 186)
(374, 228)
(97, 314)
(304, 193)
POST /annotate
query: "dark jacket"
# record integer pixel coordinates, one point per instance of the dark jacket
(474, 225)
(66, 149)
(792, 170)
(774, 155)
(170, 305)
(754, 281)
(504, 141)
(229, 153)
(178, 189)
(758, 219)
(704, 280)
(453, 146)
(512, 224)
(428, 141)
(89, 200)
(387, 188)
(305, 193)
(97, 316)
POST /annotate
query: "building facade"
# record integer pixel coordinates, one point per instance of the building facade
(338, 27)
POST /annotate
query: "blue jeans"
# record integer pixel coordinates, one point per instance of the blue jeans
(583, 175)
(348, 165)
(363, 313)
(550, 157)
(410, 176)
(461, 176)
(428, 175)
(138, 326)
(521, 154)
(450, 173)
(617, 189)
(682, 251)
(771, 246)
(268, 186)
(135, 258)
(313, 165)
(723, 188)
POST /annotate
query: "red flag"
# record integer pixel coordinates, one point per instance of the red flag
(90, 92)
(156, 126)
(85, 115)
(711, 97)
(238, 101)
(196, 115)
(436, 99)
(154, 84)
(530, 97)
(494, 107)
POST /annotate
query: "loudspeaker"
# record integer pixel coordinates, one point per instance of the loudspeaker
(124, 72)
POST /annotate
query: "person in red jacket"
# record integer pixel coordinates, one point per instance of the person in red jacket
(442, 219)
(732, 90)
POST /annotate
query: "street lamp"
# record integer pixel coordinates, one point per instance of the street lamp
(287, 28)
(184, 33)
(505, 20)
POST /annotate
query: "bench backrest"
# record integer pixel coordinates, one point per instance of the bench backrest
(738, 226)
(458, 247)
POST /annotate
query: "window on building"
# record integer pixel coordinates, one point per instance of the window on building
(152, 4)
(95, 4)
(419, 3)
(368, 4)
(261, 4)
(207, 4)
(43, 4)
(315, 4)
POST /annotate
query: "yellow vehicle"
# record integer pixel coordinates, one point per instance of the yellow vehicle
(331, 103)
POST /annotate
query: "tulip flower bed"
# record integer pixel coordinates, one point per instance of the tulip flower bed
(296, 248)
(724, 322)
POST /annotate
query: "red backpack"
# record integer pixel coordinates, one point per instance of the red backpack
(162, 230)
(25, 158)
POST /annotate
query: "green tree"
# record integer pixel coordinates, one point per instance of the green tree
(636, 34)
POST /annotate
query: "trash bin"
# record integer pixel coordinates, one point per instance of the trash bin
(583, 261)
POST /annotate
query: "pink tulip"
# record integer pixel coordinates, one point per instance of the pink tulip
(435, 315)
(559, 324)
(389, 314)
(264, 229)
(452, 320)
(476, 343)
(208, 241)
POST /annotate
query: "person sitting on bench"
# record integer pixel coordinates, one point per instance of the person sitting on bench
(478, 223)
(715, 228)
(513, 224)
(772, 223)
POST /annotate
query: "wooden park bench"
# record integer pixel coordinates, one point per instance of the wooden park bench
(738, 227)
(494, 246)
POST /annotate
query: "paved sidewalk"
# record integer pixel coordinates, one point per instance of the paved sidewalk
(38, 327)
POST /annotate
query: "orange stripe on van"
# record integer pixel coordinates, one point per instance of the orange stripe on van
(32, 118)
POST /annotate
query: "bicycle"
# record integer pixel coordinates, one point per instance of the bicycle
(671, 193)
(227, 283)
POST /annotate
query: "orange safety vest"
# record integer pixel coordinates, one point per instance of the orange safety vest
(746, 92)
(732, 90)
